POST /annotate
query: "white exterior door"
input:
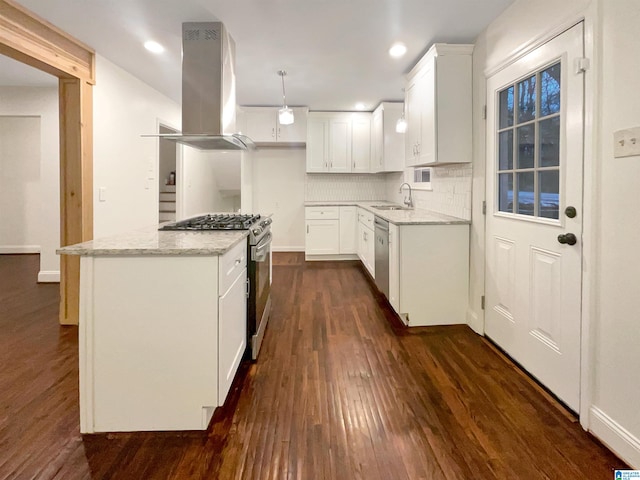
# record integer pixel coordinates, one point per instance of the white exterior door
(534, 206)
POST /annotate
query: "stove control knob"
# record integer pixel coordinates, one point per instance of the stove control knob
(257, 231)
(266, 222)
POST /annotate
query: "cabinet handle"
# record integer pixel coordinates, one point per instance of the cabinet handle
(279, 131)
(248, 288)
(238, 261)
(307, 228)
(273, 132)
(331, 164)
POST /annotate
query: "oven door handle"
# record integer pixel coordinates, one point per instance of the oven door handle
(256, 252)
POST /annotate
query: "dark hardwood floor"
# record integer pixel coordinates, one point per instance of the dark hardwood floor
(340, 391)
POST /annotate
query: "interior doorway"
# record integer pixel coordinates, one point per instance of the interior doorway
(167, 178)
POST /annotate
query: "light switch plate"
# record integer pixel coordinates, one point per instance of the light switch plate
(626, 143)
(102, 194)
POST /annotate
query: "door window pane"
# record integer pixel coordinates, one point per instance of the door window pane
(550, 142)
(505, 200)
(527, 99)
(549, 203)
(526, 193)
(526, 146)
(506, 107)
(505, 146)
(550, 90)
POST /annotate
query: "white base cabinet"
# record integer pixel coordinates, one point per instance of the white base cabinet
(331, 233)
(429, 273)
(366, 240)
(160, 339)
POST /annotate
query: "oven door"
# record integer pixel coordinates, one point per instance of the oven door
(261, 266)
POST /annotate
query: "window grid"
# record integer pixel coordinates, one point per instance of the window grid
(515, 126)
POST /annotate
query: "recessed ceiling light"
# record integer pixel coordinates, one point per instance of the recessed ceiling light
(154, 47)
(360, 106)
(397, 50)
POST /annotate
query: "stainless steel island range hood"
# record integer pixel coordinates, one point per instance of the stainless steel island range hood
(208, 90)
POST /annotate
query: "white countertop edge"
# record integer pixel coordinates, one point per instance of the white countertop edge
(397, 217)
(128, 247)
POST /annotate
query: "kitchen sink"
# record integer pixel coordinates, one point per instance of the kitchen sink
(390, 207)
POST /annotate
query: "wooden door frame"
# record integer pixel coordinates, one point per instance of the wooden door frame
(32, 40)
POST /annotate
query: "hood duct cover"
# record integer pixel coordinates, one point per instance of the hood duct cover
(208, 89)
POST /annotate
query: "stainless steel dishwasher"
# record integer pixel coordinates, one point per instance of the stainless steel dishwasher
(382, 255)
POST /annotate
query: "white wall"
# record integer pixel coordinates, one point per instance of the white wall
(125, 164)
(20, 179)
(43, 191)
(610, 396)
(208, 181)
(616, 328)
(278, 188)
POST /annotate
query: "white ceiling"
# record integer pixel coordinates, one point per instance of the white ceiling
(335, 51)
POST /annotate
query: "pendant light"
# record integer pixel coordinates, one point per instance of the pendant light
(285, 114)
(401, 124)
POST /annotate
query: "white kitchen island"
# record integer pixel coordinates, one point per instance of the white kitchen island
(162, 327)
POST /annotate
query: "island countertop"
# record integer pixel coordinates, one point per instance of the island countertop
(151, 241)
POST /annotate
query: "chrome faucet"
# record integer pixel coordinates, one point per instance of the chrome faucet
(408, 201)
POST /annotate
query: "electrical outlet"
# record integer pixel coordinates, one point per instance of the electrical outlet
(626, 143)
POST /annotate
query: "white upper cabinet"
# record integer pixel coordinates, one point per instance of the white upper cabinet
(261, 125)
(438, 99)
(338, 142)
(387, 146)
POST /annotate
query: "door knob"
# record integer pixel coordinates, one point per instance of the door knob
(570, 212)
(567, 238)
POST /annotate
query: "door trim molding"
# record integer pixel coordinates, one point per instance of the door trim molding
(29, 39)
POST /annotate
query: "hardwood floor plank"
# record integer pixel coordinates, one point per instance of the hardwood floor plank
(342, 390)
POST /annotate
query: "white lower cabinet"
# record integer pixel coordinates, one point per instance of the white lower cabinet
(394, 267)
(366, 240)
(330, 232)
(166, 359)
(323, 237)
(429, 273)
(232, 333)
(348, 231)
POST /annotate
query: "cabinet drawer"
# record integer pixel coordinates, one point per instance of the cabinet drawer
(322, 213)
(232, 264)
(366, 218)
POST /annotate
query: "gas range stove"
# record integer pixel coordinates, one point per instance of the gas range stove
(256, 224)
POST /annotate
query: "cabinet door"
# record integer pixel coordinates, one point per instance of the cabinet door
(377, 141)
(297, 131)
(323, 237)
(340, 144)
(427, 146)
(260, 124)
(317, 144)
(394, 267)
(348, 231)
(371, 252)
(413, 115)
(361, 143)
(232, 334)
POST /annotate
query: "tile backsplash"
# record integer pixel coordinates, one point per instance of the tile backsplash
(337, 187)
(450, 194)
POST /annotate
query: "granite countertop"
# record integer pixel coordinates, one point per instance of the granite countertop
(416, 216)
(150, 241)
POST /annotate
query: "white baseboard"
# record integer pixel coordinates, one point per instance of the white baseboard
(49, 276)
(615, 436)
(474, 322)
(287, 249)
(19, 249)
